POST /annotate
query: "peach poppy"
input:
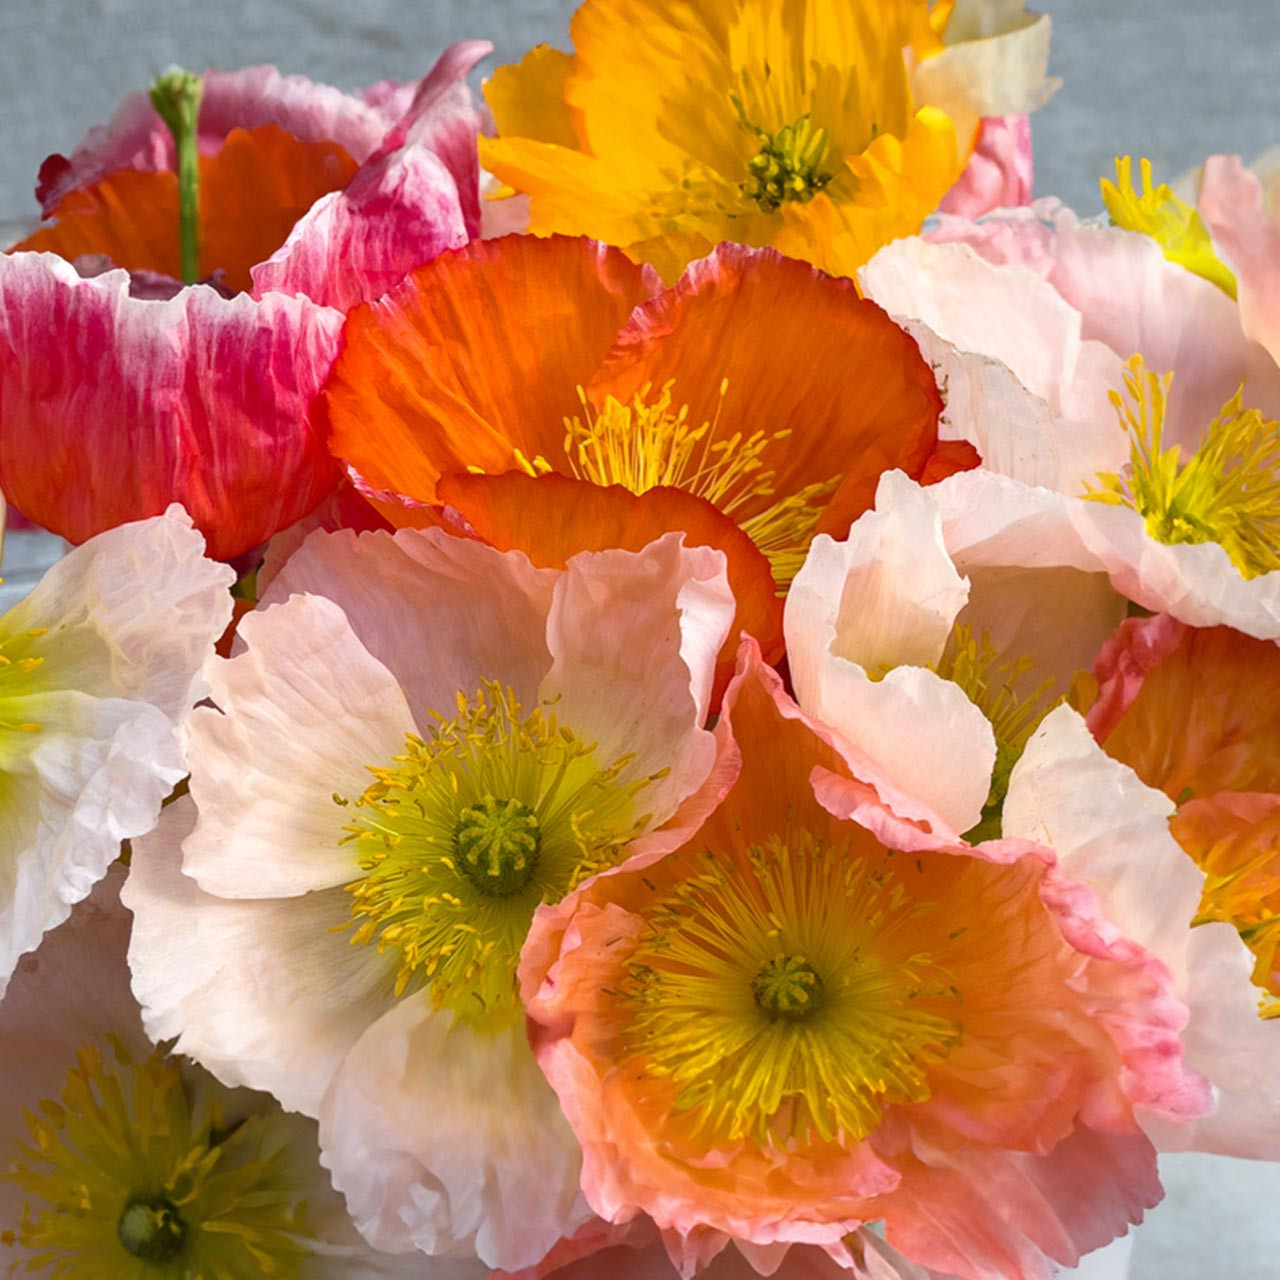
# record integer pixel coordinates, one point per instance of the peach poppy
(1196, 714)
(723, 406)
(121, 390)
(812, 1016)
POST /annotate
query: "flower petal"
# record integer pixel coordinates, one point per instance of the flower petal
(112, 407)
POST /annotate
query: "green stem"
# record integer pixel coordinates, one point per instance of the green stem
(176, 97)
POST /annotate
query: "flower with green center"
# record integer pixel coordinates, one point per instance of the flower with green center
(423, 743)
(467, 832)
(120, 1161)
(99, 665)
(816, 1014)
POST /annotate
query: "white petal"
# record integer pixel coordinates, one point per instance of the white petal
(449, 1140)
(132, 613)
(303, 712)
(441, 613)
(634, 638)
(267, 993)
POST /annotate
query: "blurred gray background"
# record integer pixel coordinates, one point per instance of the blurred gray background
(1174, 80)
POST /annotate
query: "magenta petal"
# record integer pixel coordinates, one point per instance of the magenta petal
(418, 196)
(112, 407)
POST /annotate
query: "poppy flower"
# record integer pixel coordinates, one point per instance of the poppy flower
(825, 133)
(279, 203)
(552, 395)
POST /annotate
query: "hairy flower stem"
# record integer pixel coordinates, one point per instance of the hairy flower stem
(176, 97)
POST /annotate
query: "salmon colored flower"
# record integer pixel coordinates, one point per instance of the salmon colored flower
(122, 391)
(813, 1016)
(632, 411)
(673, 128)
(1191, 866)
(419, 740)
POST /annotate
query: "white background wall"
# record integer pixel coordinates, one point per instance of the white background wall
(1171, 79)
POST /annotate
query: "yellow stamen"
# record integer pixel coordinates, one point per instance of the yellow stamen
(791, 1000)
(136, 1170)
(1227, 492)
(1172, 223)
(998, 687)
(463, 836)
(649, 443)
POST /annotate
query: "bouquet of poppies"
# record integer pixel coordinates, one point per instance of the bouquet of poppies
(661, 675)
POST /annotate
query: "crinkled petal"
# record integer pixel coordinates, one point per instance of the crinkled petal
(264, 992)
(650, 697)
(113, 407)
(299, 717)
(1000, 172)
(447, 1139)
(441, 613)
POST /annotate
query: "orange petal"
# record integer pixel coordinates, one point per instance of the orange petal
(553, 517)
(1206, 717)
(476, 355)
(252, 191)
(801, 352)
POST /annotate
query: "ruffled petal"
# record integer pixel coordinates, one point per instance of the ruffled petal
(552, 517)
(114, 407)
(416, 197)
(707, 329)
(447, 1139)
(441, 375)
(1000, 172)
(650, 697)
(479, 613)
(260, 992)
(299, 718)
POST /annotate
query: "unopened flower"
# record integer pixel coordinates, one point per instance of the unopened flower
(421, 740)
(99, 665)
(120, 1159)
(813, 1016)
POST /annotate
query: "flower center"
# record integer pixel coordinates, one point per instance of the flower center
(135, 1165)
(1227, 492)
(497, 844)
(17, 664)
(462, 837)
(151, 1229)
(789, 993)
(649, 443)
(788, 987)
(997, 686)
(788, 165)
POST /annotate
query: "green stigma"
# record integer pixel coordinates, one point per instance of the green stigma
(134, 1170)
(788, 166)
(788, 988)
(461, 838)
(151, 1229)
(176, 95)
(498, 842)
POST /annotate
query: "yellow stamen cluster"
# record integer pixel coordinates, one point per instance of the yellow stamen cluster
(648, 442)
(788, 165)
(1172, 223)
(16, 668)
(999, 688)
(1227, 492)
(135, 1173)
(790, 999)
(462, 837)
